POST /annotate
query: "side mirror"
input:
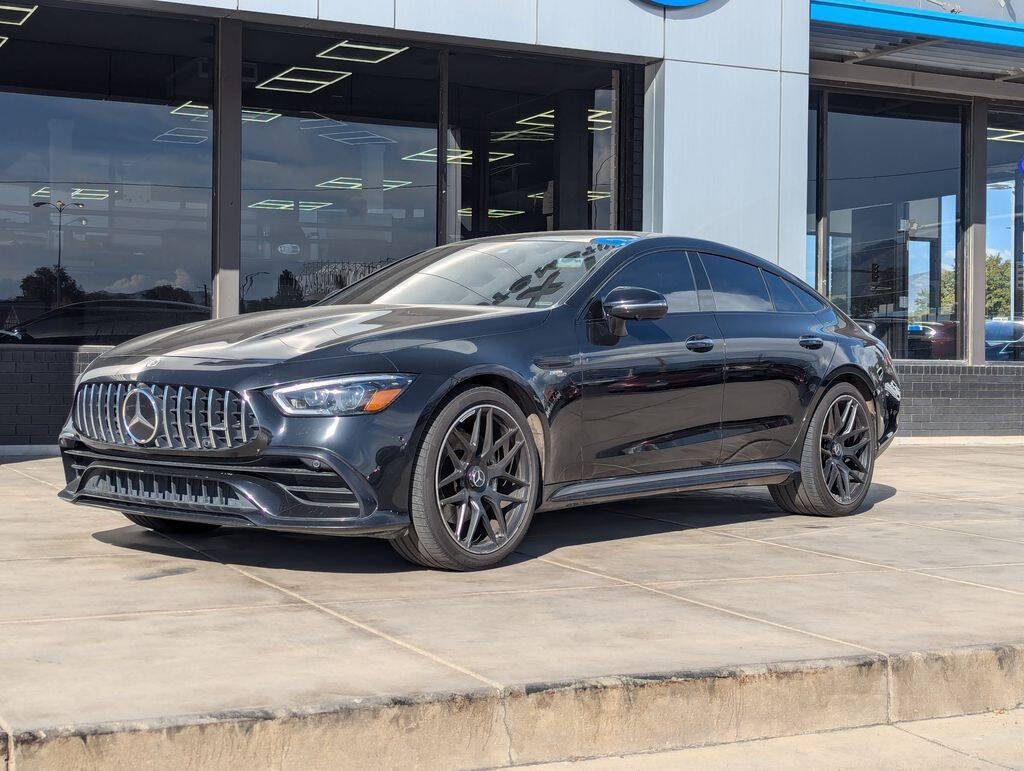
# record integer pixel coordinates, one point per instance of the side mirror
(868, 326)
(632, 303)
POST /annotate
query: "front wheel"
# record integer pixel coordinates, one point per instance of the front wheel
(474, 486)
(837, 461)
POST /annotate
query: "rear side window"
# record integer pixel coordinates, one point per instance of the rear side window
(665, 272)
(811, 303)
(782, 294)
(738, 286)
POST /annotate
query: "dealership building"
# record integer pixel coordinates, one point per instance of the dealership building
(220, 157)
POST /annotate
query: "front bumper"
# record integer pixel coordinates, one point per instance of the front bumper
(288, 489)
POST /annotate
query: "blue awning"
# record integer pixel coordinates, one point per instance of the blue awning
(917, 23)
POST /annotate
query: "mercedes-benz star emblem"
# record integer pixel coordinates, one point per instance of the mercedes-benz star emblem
(476, 476)
(141, 415)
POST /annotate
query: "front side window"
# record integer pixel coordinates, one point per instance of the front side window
(665, 272)
(106, 175)
(532, 273)
(738, 286)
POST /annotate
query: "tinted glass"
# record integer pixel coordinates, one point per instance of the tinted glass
(518, 125)
(105, 171)
(809, 301)
(783, 297)
(738, 286)
(337, 177)
(894, 181)
(665, 272)
(534, 273)
(1004, 238)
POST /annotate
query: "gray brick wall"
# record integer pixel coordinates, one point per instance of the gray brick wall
(35, 390)
(961, 400)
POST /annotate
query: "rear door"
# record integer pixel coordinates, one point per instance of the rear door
(652, 399)
(777, 353)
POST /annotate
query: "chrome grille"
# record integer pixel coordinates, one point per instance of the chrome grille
(188, 417)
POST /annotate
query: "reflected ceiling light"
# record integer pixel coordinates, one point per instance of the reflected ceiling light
(2, 41)
(598, 195)
(358, 137)
(523, 135)
(597, 120)
(192, 110)
(317, 121)
(347, 51)
(43, 192)
(258, 115)
(16, 14)
(274, 204)
(278, 204)
(536, 196)
(181, 135)
(302, 80)
(1005, 135)
(90, 193)
(458, 157)
(356, 183)
(494, 214)
(342, 183)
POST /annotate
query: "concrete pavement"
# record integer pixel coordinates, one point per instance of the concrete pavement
(994, 740)
(634, 627)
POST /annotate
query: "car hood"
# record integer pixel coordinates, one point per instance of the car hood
(325, 331)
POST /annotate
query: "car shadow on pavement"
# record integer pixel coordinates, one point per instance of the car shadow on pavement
(549, 530)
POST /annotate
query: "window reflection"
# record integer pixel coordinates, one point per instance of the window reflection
(1004, 239)
(532, 145)
(96, 124)
(337, 177)
(894, 179)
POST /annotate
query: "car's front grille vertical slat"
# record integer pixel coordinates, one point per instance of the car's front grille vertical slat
(186, 417)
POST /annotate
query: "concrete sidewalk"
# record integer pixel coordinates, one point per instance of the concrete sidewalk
(994, 740)
(636, 627)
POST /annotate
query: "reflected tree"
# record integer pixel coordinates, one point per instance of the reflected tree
(41, 285)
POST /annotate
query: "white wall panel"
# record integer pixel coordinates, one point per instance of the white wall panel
(796, 32)
(502, 20)
(793, 174)
(612, 26)
(718, 160)
(737, 33)
(374, 13)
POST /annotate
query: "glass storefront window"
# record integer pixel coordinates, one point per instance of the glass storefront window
(532, 145)
(811, 256)
(1004, 239)
(338, 176)
(894, 182)
(105, 176)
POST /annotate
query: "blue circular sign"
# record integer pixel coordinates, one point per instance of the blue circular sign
(676, 3)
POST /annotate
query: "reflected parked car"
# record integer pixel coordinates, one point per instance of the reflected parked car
(103, 322)
(1004, 340)
(932, 340)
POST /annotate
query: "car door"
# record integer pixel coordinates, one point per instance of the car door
(777, 352)
(652, 398)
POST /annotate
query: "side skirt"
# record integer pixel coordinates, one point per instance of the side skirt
(616, 488)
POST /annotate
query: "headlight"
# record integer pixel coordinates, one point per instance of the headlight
(354, 395)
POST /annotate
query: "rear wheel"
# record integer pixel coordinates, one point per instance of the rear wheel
(170, 526)
(475, 484)
(837, 461)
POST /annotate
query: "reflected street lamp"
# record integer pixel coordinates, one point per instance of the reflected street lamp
(60, 206)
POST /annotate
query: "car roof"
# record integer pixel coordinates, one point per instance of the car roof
(648, 239)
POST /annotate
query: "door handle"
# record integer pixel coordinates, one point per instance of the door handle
(811, 342)
(700, 344)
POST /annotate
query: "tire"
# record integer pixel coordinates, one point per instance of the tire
(171, 526)
(479, 517)
(818, 488)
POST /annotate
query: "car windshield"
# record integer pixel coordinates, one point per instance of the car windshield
(514, 273)
(1003, 330)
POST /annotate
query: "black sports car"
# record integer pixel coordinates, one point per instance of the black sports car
(444, 399)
